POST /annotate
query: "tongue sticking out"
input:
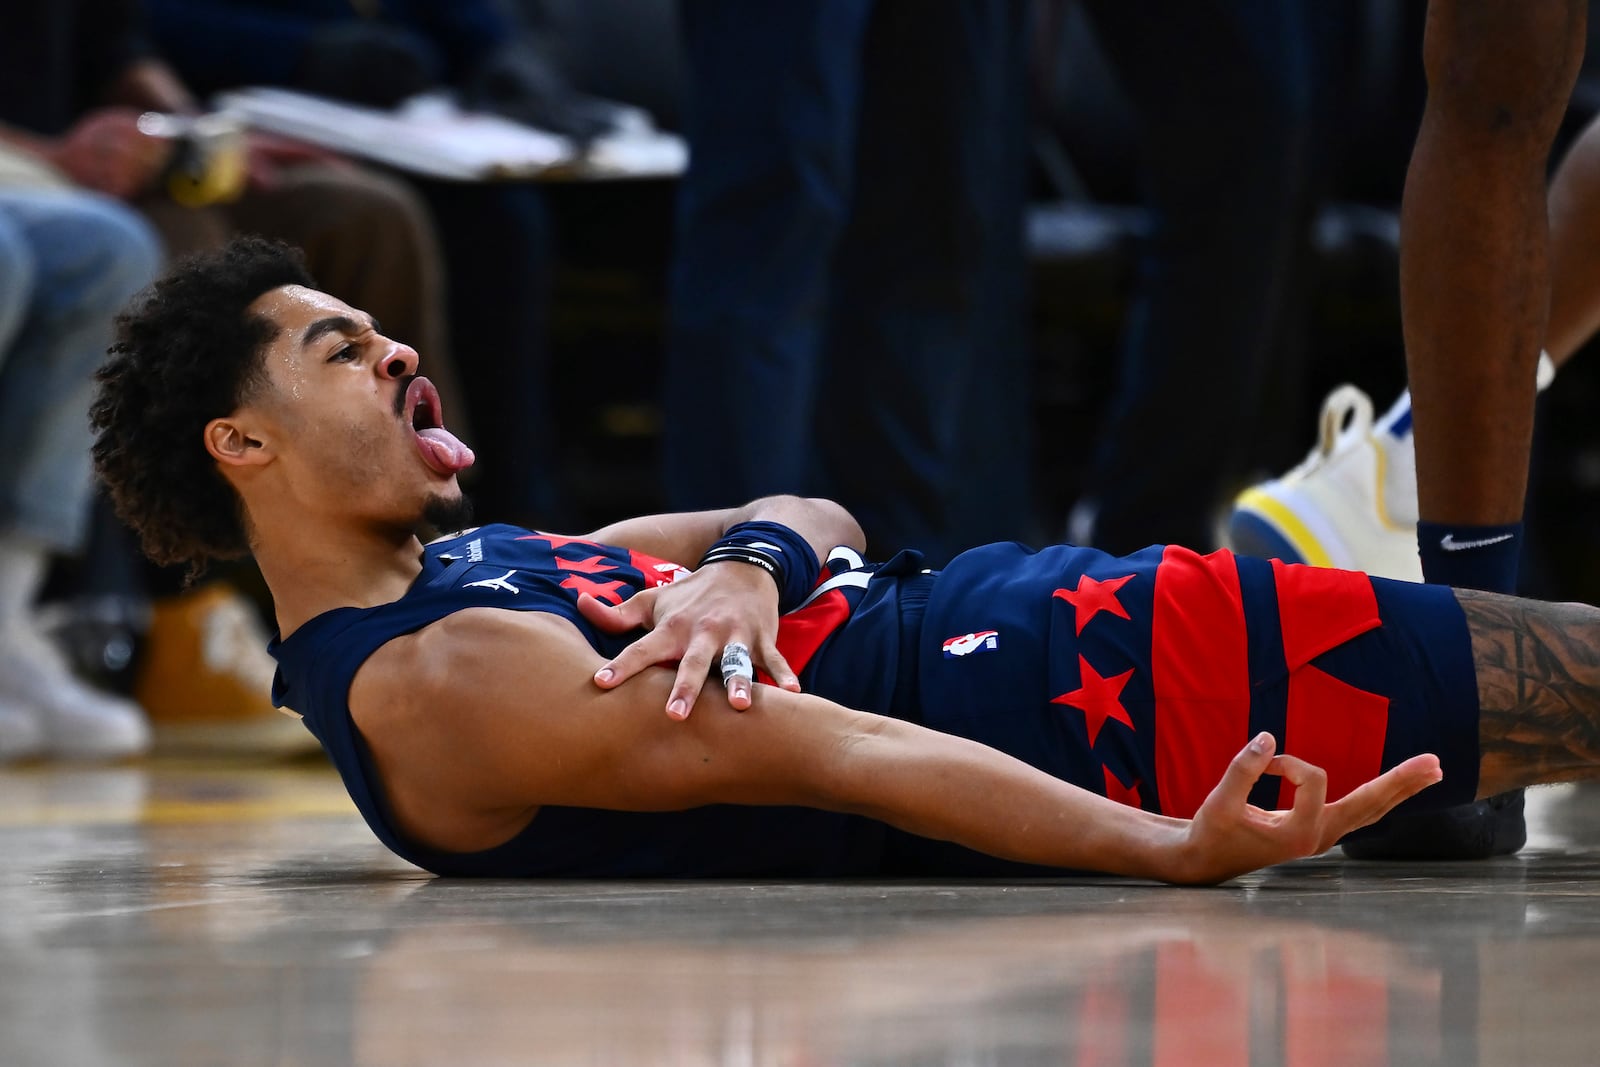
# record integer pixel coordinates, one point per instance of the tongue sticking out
(439, 448)
(442, 451)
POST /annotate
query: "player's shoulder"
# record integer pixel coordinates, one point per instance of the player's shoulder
(474, 638)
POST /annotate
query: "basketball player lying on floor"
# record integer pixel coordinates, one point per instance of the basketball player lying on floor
(496, 704)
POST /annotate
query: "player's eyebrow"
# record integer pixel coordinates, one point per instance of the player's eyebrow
(336, 324)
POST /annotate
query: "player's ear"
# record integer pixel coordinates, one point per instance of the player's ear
(234, 441)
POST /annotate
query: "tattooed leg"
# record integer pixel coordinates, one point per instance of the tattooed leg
(1538, 667)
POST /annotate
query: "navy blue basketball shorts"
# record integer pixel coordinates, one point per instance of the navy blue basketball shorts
(1141, 677)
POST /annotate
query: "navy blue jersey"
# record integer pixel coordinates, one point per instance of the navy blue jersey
(855, 619)
(1134, 677)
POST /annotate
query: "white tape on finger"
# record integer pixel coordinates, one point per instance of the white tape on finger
(736, 663)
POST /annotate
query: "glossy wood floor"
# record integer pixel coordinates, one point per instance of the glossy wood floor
(204, 914)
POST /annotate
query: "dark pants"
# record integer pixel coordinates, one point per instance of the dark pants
(1226, 93)
(496, 245)
(848, 288)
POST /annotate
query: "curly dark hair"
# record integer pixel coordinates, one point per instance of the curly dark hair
(186, 351)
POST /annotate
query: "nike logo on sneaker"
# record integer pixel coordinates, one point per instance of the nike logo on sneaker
(1449, 543)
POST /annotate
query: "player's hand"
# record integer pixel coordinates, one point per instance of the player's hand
(1228, 836)
(690, 622)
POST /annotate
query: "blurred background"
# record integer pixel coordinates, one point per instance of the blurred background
(979, 269)
(1086, 227)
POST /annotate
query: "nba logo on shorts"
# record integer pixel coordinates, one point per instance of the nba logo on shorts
(966, 644)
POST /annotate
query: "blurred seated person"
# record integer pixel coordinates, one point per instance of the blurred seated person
(75, 78)
(68, 261)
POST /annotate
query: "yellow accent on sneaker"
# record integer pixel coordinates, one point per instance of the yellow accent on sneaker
(205, 679)
(1289, 526)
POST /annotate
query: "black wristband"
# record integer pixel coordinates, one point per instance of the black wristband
(776, 549)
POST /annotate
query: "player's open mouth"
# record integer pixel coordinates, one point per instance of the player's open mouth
(440, 449)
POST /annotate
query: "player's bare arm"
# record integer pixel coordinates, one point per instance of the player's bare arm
(693, 619)
(466, 770)
(683, 537)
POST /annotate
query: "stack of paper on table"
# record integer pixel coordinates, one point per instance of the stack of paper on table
(431, 136)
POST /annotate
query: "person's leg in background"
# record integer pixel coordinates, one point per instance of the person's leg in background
(1474, 271)
(1574, 230)
(1225, 95)
(771, 123)
(76, 258)
(1475, 302)
(923, 423)
(21, 733)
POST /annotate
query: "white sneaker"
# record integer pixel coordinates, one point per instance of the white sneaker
(1352, 503)
(77, 721)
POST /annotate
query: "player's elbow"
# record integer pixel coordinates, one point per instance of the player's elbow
(850, 773)
(845, 529)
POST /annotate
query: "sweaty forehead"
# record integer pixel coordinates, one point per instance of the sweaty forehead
(293, 307)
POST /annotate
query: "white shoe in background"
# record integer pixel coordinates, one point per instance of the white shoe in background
(75, 720)
(1352, 503)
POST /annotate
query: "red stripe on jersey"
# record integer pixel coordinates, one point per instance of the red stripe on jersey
(1320, 608)
(801, 632)
(1122, 794)
(1335, 726)
(1200, 672)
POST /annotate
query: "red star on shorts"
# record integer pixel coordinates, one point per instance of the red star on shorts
(1093, 596)
(1098, 698)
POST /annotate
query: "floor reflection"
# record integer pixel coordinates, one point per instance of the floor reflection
(1082, 989)
(176, 916)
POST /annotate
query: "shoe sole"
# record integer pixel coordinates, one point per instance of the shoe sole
(1262, 525)
(1481, 830)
